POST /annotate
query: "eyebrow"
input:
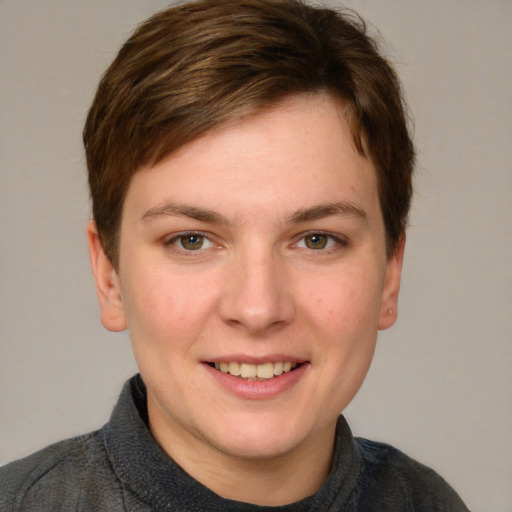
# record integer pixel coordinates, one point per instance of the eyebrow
(345, 209)
(183, 210)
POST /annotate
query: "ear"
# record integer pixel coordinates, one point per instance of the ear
(107, 283)
(389, 305)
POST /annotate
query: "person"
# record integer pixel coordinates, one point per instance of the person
(250, 169)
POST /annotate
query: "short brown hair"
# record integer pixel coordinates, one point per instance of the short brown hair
(195, 66)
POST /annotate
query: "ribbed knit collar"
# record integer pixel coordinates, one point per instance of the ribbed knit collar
(148, 474)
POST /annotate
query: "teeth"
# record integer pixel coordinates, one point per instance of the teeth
(263, 371)
(248, 371)
(234, 368)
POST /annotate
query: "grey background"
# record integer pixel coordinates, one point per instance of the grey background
(441, 384)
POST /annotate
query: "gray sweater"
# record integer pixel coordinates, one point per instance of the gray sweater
(122, 468)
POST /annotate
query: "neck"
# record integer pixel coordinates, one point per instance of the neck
(272, 482)
(279, 480)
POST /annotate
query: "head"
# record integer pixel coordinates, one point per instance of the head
(250, 172)
(195, 67)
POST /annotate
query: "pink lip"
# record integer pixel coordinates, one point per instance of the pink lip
(256, 389)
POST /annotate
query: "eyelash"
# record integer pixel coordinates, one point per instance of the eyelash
(171, 241)
(336, 242)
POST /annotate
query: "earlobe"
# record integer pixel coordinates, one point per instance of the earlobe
(389, 305)
(107, 283)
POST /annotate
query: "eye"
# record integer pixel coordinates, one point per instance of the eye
(190, 242)
(316, 241)
(320, 241)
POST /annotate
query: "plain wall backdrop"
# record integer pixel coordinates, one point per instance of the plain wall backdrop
(440, 387)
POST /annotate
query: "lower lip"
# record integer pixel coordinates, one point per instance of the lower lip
(258, 389)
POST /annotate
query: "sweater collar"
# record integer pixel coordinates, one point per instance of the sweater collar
(149, 474)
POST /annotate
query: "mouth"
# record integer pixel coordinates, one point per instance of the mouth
(248, 371)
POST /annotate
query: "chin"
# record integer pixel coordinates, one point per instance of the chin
(256, 448)
(260, 438)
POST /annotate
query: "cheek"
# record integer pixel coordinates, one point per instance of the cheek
(344, 324)
(346, 301)
(162, 309)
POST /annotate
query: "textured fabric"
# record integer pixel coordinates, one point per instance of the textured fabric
(121, 468)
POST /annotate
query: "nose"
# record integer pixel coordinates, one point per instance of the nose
(257, 296)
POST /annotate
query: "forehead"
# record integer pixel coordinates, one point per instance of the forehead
(299, 152)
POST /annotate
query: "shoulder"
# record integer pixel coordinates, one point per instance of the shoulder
(57, 477)
(390, 474)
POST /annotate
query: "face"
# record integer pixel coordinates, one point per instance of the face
(253, 279)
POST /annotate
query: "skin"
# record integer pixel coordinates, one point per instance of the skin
(255, 287)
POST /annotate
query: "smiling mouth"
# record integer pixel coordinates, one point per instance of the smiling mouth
(249, 371)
